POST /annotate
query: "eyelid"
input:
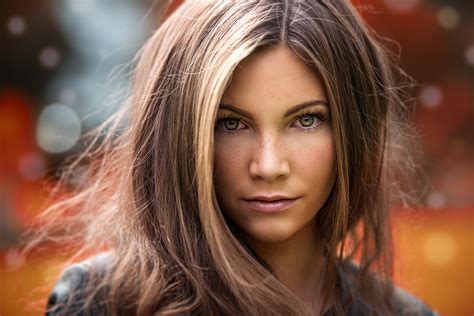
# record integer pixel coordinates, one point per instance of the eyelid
(320, 114)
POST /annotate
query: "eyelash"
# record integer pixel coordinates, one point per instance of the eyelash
(317, 115)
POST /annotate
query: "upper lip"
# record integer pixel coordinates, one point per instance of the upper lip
(268, 198)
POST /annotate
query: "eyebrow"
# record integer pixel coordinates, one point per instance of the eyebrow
(289, 112)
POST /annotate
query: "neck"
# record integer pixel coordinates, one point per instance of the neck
(298, 263)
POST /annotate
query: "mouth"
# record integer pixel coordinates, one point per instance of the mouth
(269, 206)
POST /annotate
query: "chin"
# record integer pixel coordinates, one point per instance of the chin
(270, 233)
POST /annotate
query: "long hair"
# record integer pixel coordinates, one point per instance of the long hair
(150, 194)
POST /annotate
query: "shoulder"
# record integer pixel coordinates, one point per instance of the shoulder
(403, 302)
(70, 294)
(407, 304)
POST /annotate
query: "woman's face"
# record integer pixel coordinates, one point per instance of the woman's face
(274, 149)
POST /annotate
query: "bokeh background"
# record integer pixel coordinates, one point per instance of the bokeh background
(64, 69)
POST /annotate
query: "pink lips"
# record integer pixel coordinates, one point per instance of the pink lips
(269, 206)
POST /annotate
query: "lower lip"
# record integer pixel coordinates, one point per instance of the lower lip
(269, 207)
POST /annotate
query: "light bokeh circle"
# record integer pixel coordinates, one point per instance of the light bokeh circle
(59, 128)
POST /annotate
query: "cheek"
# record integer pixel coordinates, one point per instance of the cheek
(229, 161)
(314, 160)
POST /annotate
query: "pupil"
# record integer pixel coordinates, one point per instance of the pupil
(307, 120)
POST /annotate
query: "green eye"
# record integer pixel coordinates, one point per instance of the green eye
(307, 120)
(231, 124)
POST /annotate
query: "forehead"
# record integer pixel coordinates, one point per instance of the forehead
(275, 75)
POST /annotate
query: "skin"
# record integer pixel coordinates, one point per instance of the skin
(268, 153)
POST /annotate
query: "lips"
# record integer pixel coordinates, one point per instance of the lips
(272, 206)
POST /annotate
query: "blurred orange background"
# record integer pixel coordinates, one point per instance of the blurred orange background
(59, 76)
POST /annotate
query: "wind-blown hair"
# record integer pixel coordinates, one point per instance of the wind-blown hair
(150, 195)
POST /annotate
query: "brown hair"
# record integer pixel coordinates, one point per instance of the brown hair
(150, 195)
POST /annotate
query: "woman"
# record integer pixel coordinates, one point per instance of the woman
(255, 175)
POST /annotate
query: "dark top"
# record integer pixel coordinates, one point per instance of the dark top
(67, 292)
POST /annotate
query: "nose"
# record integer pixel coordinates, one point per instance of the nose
(269, 162)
